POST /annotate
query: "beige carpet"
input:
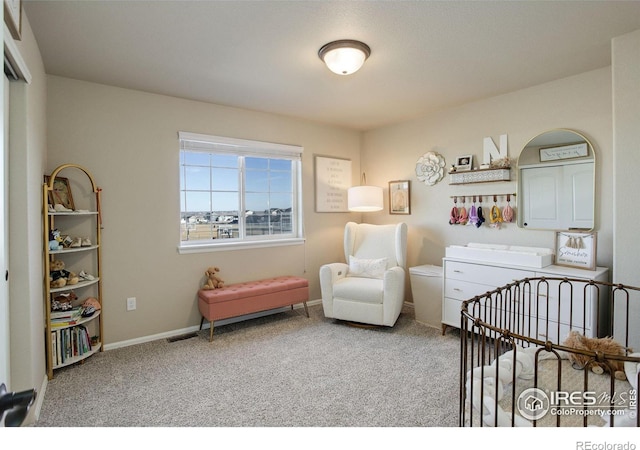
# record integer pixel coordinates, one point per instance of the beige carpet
(283, 370)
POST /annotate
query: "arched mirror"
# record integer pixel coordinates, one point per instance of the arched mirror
(556, 182)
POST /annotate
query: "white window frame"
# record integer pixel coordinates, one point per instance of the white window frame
(195, 142)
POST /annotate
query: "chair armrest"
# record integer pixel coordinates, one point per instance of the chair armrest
(394, 275)
(333, 272)
(329, 274)
(393, 283)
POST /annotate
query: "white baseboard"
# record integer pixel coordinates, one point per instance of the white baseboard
(205, 325)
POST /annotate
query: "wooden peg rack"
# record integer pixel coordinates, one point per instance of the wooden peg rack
(480, 197)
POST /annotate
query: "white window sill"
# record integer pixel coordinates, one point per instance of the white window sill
(228, 246)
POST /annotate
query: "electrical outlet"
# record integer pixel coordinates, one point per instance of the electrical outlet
(131, 303)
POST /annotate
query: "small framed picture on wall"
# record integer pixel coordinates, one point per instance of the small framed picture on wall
(400, 197)
(464, 163)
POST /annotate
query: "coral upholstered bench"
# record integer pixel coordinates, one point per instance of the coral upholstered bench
(251, 297)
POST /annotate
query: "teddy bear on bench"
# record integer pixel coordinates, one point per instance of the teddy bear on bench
(213, 281)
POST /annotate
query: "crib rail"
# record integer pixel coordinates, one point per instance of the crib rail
(528, 320)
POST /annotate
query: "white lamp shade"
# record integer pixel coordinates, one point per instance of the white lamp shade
(344, 61)
(365, 198)
(344, 57)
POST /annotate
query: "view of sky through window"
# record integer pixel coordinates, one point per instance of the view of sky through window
(237, 190)
(211, 183)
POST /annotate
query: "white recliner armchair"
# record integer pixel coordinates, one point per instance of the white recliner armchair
(369, 288)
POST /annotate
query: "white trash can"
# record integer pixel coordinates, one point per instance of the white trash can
(426, 287)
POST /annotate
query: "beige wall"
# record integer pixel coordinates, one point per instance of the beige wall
(626, 100)
(626, 95)
(582, 103)
(128, 140)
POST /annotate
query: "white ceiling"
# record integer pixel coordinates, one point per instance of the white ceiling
(262, 55)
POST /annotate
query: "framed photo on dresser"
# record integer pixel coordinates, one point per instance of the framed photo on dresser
(576, 249)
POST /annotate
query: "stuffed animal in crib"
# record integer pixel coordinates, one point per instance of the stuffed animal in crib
(605, 345)
(213, 280)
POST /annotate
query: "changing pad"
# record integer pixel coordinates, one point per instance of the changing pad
(537, 257)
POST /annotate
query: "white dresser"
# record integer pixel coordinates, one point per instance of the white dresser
(463, 279)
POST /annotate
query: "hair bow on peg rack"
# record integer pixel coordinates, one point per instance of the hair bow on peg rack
(507, 212)
(473, 213)
(495, 216)
(453, 215)
(476, 216)
(463, 216)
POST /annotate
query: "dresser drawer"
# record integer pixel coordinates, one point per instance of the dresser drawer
(546, 319)
(575, 307)
(452, 312)
(464, 290)
(551, 331)
(486, 275)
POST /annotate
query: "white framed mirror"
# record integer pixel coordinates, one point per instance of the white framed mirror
(556, 182)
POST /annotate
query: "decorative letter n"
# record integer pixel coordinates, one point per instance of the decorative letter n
(490, 150)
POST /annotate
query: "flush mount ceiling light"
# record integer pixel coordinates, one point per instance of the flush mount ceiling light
(344, 57)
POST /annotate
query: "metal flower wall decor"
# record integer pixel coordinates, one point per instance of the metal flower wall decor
(430, 168)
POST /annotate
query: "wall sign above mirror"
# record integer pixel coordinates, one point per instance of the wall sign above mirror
(556, 182)
(564, 152)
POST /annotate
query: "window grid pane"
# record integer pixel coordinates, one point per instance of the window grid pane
(212, 196)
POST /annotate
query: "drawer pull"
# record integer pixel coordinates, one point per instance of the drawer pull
(457, 271)
(457, 289)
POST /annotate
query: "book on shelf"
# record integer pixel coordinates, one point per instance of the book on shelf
(71, 317)
(69, 343)
(54, 348)
(63, 323)
(73, 313)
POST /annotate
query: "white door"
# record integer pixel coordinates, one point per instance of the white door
(4, 258)
(541, 203)
(578, 179)
(558, 197)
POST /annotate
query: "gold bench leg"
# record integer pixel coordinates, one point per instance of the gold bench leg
(306, 310)
(211, 331)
